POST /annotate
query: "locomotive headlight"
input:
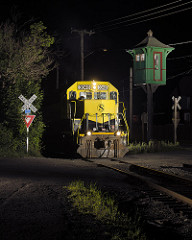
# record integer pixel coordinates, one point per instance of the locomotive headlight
(89, 133)
(118, 133)
(94, 84)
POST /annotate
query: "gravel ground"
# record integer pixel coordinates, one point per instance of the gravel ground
(170, 162)
(158, 214)
(177, 163)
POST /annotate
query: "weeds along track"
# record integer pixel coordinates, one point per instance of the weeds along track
(174, 191)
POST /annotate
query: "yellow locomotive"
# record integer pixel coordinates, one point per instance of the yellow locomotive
(98, 127)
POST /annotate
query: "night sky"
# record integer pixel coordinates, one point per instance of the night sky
(60, 16)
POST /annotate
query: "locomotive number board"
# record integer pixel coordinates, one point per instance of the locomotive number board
(88, 87)
(102, 87)
(84, 87)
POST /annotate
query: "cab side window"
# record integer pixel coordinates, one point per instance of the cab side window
(113, 96)
(72, 95)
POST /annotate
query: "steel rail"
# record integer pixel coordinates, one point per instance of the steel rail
(179, 197)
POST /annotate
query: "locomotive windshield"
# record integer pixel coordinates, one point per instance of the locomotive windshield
(100, 95)
(85, 95)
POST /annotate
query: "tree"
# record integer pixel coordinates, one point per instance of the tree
(25, 59)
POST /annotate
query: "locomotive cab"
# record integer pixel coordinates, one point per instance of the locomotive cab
(98, 127)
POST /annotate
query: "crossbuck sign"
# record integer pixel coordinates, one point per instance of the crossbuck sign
(28, 107)
(28, 103)
(176, 103)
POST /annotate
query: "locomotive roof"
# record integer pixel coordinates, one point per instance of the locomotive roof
(89, 82)
(151, 41)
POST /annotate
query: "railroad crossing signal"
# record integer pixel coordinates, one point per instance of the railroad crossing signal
(28, 103)
(176, 103)
(176, 118)
(28, 107)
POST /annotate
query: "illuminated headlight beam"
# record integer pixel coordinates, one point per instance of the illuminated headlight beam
(118, 133)
(89, 133)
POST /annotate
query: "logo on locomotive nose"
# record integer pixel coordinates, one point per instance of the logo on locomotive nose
(100, 107)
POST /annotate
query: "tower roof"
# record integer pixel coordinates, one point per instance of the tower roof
(151, 41)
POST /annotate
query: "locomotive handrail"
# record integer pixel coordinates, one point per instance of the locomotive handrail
(79, 126)
(74, 117)
(124, 108)
(124, 118)
(127, 126)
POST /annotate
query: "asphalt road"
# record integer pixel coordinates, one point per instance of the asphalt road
(33, 202)
(32, 199)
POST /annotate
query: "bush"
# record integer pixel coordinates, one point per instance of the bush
(11, 146)
(152, 146)
(25, 59)
(8, 144)
(6, 138)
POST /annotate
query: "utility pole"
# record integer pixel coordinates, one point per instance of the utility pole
(131, 101)
(57, 77)
(82, 33)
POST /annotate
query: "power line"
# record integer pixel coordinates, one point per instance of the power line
(143, 16)
(176, 58)
(145, 20)
(180, 43)
(180, 74)
(135, 14)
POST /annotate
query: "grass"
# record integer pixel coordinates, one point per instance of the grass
(153, 146)
(90, 200)
(5, 152)
(141, 147)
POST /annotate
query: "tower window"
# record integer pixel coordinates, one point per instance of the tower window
(142, 57)
(137, 58)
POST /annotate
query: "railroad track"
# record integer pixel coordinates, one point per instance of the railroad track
(174, 191)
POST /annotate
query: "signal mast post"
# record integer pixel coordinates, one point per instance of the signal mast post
(131, 102)
(176, 118)
(175, 121)
(150, 91)
(27, 140)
